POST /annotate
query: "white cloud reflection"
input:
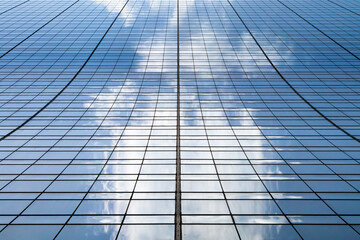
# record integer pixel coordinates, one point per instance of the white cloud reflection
(247, 66)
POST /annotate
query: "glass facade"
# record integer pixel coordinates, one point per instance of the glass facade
(180, 119)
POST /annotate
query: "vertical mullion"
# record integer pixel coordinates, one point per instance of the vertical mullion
(178, 234)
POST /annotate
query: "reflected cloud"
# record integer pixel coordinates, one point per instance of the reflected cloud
(148, 232)
(267, 232)
(89, 232)
(209, 232)
(111, 5)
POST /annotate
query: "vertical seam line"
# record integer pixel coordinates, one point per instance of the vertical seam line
(178, 233)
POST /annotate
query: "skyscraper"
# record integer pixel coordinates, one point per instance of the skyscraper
(180, 119)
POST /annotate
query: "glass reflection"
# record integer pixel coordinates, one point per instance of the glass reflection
(102, 156)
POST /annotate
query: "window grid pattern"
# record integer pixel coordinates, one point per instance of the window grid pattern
(160, 94)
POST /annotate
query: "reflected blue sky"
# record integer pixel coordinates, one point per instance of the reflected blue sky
(102, 155)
